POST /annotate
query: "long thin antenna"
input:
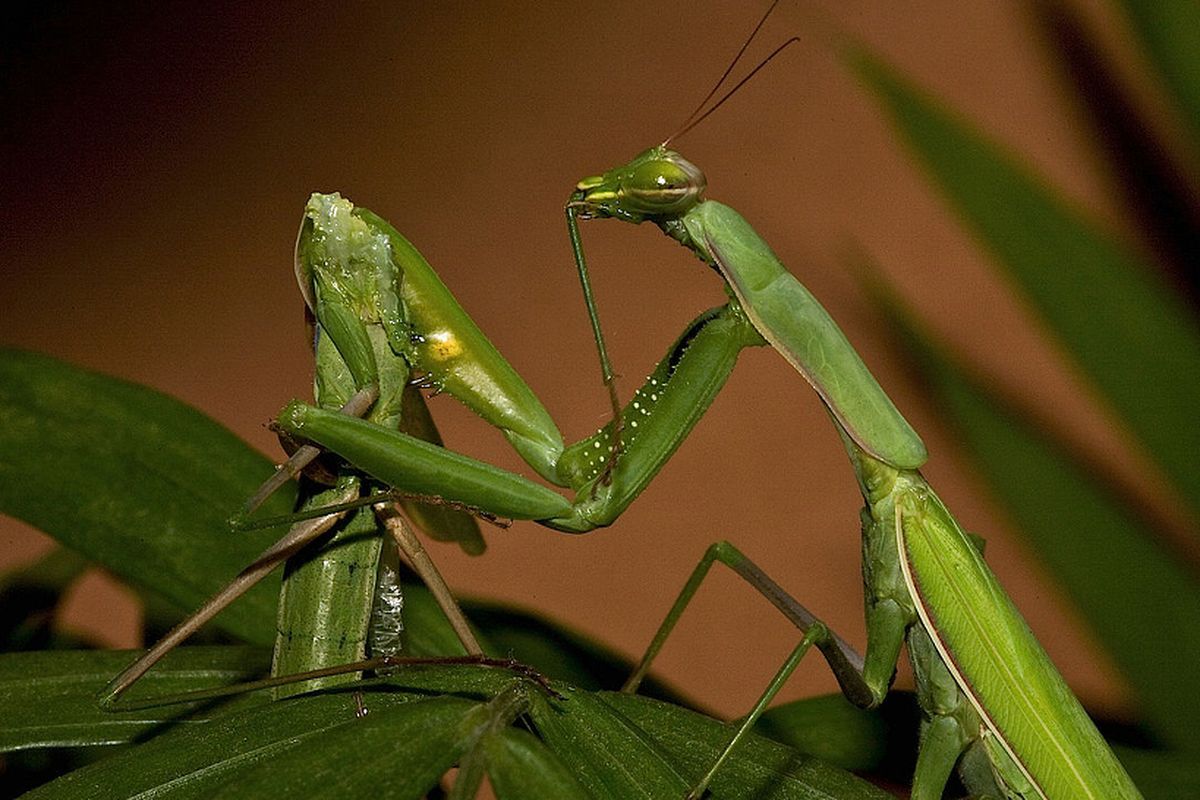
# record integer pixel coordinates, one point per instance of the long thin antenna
(687, 122)
(693, 123)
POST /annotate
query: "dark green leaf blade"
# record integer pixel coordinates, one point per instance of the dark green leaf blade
(609, 754)
(882, 741)
(1134, 338)
(396, 751)
(196, 761)
(1136, 597)
(1162, 776)
(135, 481)
(48, 699)
(1161, 197)
(519, 766)
(757, 770)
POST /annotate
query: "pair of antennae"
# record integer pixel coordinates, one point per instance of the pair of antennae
(696, 117)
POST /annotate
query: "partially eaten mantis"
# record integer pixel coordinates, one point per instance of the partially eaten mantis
(994, 703)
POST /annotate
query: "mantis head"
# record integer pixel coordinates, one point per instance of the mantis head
(658, 183)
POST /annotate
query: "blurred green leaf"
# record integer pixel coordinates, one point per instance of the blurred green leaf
(28, 598)
(1139, 601)
(1135, 339)
(1170, 36)
(1162, 776)
(1156, 192)
(134, 481)
(555, 650)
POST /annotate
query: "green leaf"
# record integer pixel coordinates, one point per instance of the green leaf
(757, 770)
(135, 481)
(306, 747)
(1135, 339)
(1170, 37)
(1156, 193)
(519, 766)
(1161, 776)
(143, 485)
(882, 741)
(48, 699)
(397, 751)
(254, 747)
(608, 753)
(1139, 601)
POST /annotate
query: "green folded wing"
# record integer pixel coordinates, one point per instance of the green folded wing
(996, 659)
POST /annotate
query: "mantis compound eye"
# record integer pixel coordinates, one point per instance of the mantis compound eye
(668, 185)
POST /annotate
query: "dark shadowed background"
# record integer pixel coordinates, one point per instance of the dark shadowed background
(156, 163)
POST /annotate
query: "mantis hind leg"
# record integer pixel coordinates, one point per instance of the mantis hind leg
(864, 681)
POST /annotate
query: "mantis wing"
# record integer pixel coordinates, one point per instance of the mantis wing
(996, 660)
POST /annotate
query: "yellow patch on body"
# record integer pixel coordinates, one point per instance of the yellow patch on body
(443, 346)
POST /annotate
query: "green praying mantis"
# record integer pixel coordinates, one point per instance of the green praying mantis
(994, 704)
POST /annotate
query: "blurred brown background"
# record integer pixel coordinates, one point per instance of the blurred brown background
(156, 164)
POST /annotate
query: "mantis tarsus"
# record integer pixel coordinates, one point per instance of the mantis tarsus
(1048, 748)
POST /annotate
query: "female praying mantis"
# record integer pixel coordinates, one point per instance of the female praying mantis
(994, 703)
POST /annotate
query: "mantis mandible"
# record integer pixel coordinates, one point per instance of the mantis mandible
(995, 705)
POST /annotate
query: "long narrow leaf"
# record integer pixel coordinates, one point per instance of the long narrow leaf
(1135, 339)
(397, 751)
(232, 751)
(1161, 197)
(133, 480)
(48, 699)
